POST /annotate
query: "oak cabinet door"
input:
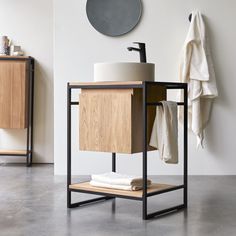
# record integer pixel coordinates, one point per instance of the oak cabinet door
(13, 94)
(110, 120)
(105, 121)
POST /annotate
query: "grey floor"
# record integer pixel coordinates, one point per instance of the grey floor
(33, 202)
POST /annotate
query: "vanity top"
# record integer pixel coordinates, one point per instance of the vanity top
(106, 83)
(125, 84)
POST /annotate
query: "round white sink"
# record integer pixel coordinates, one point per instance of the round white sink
(124, 71)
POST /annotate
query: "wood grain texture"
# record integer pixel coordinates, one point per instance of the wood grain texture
(13, 94)
(87, 187)
(105, 121)
(13, 152)
(111, 119)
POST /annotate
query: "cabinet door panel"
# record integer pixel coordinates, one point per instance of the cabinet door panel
(13, 94)
(105, 121)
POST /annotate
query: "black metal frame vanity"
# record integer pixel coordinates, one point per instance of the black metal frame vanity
(145, 193)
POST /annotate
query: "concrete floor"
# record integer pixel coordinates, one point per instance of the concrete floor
(33, 202)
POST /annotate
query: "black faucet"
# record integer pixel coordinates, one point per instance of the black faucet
(141, 50)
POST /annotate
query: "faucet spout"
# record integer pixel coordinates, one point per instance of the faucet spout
(141, 50)
(133, 49)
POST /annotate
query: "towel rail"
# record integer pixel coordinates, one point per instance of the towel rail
(159, 103)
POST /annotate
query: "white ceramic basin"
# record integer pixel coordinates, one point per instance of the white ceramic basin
(124, 71)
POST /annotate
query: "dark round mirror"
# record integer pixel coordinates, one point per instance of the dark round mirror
(114, 17)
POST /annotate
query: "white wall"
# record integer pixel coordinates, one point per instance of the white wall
(163, 28)
(29, 23)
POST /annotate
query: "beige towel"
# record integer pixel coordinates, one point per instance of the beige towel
(164, 135)
(196, 69)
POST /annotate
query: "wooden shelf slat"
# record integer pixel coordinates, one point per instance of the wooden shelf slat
(87, 187)
(13, 152)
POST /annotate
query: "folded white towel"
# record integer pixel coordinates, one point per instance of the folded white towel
(118, 181)
(164, 135)
(114, 178)
(116, 186)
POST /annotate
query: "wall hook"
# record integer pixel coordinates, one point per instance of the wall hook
(190, 17)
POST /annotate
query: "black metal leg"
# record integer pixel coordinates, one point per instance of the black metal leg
(32, 114)
(114, 162)
(68, 145)
(82, 203)
(185, 146)
(28, 160)
(86, 202)
(29, 98)
(184, 186)
(113, 167)
(144, 200)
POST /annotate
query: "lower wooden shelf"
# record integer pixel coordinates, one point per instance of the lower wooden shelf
(13, 152)
(85, 186)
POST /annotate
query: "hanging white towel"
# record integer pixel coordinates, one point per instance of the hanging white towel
(196, 69)
(164, 135)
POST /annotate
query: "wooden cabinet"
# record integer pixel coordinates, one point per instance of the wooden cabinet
(13, 94)
(111, 119)
(17, 100)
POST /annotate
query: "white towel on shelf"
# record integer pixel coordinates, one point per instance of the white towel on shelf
(196, 69)
(164, 135)
(117, 181)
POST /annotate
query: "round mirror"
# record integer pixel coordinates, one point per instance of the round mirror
(114, 17)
